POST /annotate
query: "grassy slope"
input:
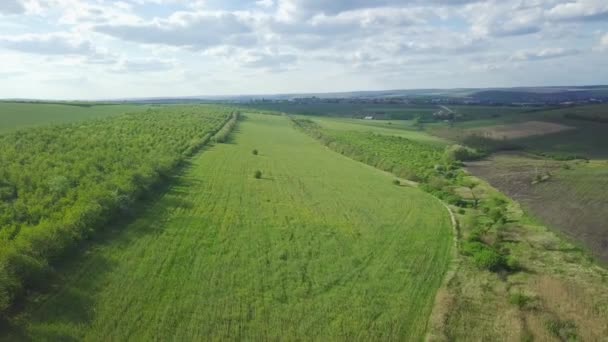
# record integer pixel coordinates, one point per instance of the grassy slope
(574, 201)
(321, 246)
(23, 115)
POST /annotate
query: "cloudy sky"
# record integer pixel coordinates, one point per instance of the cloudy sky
(131, 48)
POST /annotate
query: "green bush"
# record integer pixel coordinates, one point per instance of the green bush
(461, 153)
(519, 299)
(255, 152)
(484, 256)
(257, 174)
(396, 182)
(489, 259)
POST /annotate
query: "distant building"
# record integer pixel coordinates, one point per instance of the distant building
(369, 117)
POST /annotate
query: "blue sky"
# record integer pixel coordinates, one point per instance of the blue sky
(95, 49)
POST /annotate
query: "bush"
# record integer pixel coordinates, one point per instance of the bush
(257, 174)
(484, 256)
(512, 263)
(519, 299)
(461, 153)
(488, 259)
(255, 152)
(396, 182)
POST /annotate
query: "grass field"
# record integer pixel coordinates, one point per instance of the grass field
(321, 247)
(23, 115)
(400, 128)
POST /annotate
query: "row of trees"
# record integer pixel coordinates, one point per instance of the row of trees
(403, 157)
(59, 184)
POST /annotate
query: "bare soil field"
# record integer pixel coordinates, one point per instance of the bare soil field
(571, 197)
(521, 130)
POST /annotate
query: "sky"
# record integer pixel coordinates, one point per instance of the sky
(101, 49)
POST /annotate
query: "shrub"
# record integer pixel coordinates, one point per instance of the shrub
(519, 299)
(461, 153)
(512, 263)
(497, 215)
(484, 256)
(396, 182)
(565, 330)
(255, 152)
(257, 174)
(488, 259)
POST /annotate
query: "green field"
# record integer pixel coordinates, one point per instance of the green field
(585, 139)
(321, 247)
(15, 115)
(400, 128)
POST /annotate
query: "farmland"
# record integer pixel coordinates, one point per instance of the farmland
(320, 246)
(58, 184)
(513, 278)
(15, 115)
(577, 138)
(572, 199)
(400, 128)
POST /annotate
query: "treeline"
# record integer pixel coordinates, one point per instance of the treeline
(403, 157)
(59, 184)
(222, 135)
(586, 117)
(438, 172)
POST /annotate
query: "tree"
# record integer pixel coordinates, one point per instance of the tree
(417, 123)
(471, 185)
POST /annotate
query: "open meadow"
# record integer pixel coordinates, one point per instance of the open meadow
(318, 247)
(20, 115)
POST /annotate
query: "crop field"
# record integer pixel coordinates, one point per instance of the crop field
(15, 116)
(319, 247)
(521, 130)
(572, 200)
(576, 132)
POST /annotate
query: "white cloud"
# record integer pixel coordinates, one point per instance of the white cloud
(279, 44)
(48, 44)
(197, 30)
(603, 43)
(143, 65)
(265, 3)
(11, 7)
(548, 53)
(580, 10)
